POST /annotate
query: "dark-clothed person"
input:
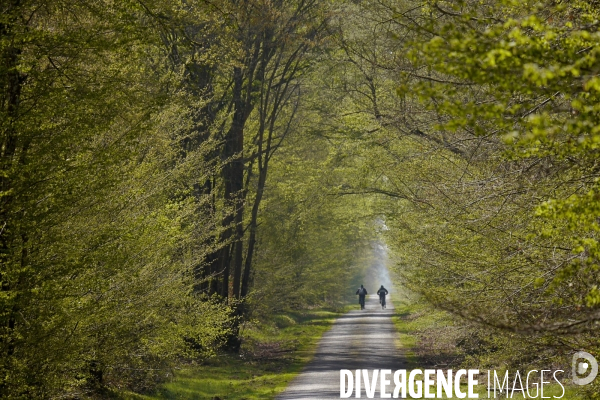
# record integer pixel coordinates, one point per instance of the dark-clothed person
(382, 292)
(361, 292)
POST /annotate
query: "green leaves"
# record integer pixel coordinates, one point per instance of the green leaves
(101, 233)
(489, 151)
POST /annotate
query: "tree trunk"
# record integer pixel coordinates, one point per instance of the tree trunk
(233, 175)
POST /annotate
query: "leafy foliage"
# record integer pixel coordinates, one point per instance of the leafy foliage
(171, 168)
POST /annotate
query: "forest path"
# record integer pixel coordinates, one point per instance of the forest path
(360, 339)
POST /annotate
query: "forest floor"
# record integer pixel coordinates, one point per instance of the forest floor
(295, 355)
(273, 353)
(429, 340)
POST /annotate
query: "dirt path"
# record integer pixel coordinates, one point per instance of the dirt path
(361, 339)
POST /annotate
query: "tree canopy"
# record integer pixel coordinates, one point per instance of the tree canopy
(170, 169)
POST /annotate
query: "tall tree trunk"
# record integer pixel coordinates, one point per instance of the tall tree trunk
(233, 175)
(265, 148)
(252, 233)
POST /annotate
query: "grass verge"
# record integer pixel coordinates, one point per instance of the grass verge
(426, 336)
(428, 339)
(273, 353)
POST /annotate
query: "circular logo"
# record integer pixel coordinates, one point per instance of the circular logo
(581, 368)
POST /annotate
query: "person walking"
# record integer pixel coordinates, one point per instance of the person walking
(382, 292)
(361, 292)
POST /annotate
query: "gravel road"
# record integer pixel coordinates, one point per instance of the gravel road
(360, 339)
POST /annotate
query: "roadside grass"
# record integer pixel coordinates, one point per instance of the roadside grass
(273, 353)
(427, 338)
(412, 320)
